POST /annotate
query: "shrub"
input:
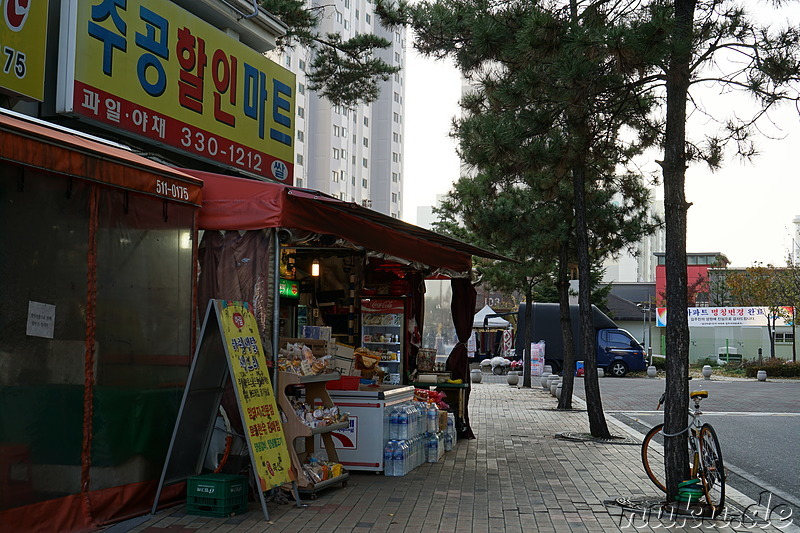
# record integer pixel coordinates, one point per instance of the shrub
(660, 363)
(775, 368)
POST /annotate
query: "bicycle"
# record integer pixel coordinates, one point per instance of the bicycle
(705, 455)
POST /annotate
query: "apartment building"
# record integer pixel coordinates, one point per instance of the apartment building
(353, 154)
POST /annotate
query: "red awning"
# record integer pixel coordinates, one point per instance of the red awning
(33, 143)
(231, 203)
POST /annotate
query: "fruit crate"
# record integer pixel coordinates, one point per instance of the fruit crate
(216, 495)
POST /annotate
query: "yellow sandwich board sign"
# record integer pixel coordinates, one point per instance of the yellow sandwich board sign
(260, 417)
(229, 354)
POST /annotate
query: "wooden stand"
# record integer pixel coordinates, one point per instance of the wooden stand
(294, 428)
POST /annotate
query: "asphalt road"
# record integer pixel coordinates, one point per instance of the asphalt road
(758, 425)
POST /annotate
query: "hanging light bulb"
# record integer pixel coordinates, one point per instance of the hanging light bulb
(315, 268)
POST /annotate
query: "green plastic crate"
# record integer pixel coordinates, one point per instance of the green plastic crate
(216, 495)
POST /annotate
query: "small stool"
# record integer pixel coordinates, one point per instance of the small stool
(16, 481)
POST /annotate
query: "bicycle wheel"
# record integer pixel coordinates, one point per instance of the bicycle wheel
(712, 471)
(653, 457)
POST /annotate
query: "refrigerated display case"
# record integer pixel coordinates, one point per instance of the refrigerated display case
(382, 320)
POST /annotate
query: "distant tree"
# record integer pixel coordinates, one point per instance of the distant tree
(761, 286)
(790, 291)
(343, 71)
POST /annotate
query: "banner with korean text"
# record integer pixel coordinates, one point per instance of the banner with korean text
(250, 374)
(729, 316)
(157, 72)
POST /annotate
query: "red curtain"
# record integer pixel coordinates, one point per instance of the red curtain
(463, 309)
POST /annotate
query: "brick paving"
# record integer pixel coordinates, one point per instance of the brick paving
(515, 477)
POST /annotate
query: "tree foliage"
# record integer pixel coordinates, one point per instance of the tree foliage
(710, 42)
(549, 102)
(343, 71)
(762, 286)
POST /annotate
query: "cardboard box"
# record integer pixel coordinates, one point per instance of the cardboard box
(442, 420)
(343, 360)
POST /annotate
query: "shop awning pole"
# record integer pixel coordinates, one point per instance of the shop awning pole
(276, 302)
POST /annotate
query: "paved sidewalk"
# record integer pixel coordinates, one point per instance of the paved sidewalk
(515, 477)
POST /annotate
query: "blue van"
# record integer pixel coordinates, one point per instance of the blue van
(617, 351)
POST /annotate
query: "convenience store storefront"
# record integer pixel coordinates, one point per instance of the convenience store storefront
(96, 325)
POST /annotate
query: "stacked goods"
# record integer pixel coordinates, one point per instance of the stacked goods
(299, 359)
(317, 471)
(318, 416)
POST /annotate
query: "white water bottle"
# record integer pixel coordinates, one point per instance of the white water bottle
(388, 458)
(399, 462)
(402, 423)
(432, 418)
(394, 423)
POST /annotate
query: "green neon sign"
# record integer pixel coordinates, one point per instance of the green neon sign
(289, 289)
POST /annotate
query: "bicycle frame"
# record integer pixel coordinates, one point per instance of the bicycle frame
(705, 456)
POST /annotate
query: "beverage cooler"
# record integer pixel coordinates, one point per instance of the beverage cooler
(382, 320)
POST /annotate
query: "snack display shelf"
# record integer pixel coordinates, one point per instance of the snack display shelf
(294, 428)
(324, 484)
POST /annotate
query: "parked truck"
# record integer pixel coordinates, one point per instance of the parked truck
(617, 351)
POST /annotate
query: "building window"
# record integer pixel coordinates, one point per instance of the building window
(300, 135)
(344, 154)
(397, 77)
(288, 61)
(299, 182)
(395, 137)
(301, 88)
(301, 112)
(395, 177)
(366, 142)
(344, 131)
(346, 24)
(336, 153)
(364, 182)
(368, 18)
(366, 121)
(396, 117)
(784, 337)
(354, 160)
(394, 197)
(353, 180)
(364, 162)
(339, 17)
(347, 4)
(396, 57)
(357, 13)
(395, 157)
(336, 130)
(299, 159)
(335, 176)
(302, 65)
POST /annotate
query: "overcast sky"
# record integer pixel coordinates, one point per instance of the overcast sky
(744, 210)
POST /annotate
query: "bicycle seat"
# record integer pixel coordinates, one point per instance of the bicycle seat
(698, 394)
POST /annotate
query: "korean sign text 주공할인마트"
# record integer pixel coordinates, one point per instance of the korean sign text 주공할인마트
(158, 72)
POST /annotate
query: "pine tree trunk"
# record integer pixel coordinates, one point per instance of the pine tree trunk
(674, 169)
(568, 376)
(526, 351)
(594, 405)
